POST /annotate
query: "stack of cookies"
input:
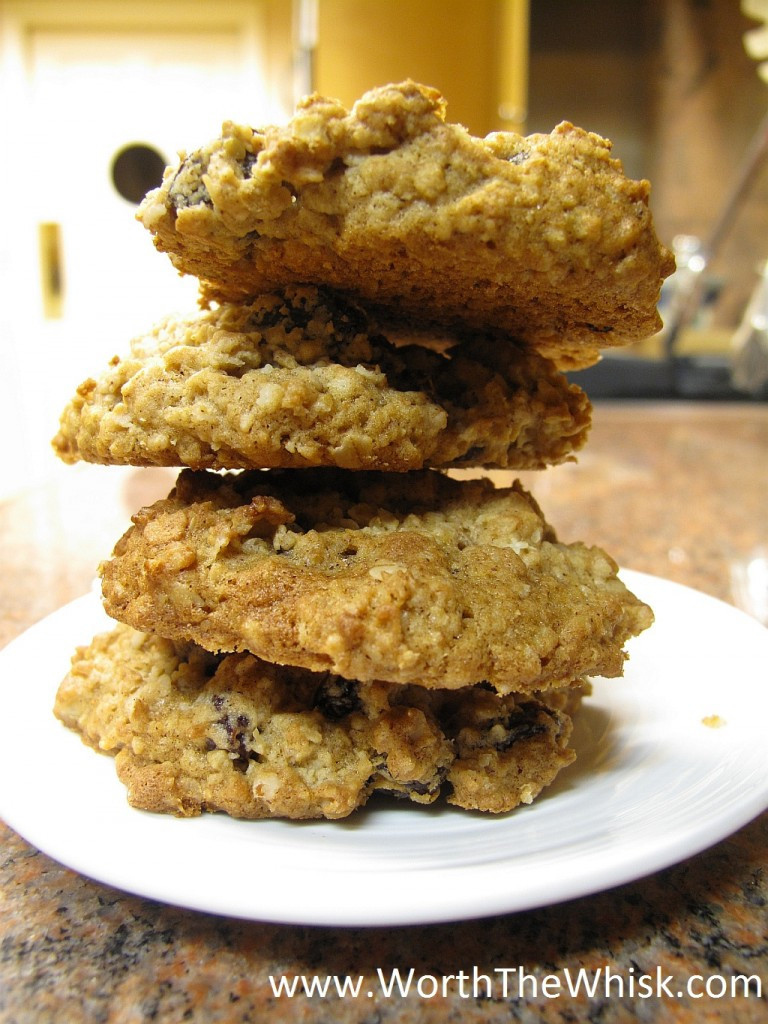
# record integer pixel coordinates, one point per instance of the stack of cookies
(321, 609)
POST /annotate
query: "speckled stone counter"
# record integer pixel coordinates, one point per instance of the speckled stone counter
(677, 490)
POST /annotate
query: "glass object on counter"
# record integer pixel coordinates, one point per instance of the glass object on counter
(681, 294)
(750, 341)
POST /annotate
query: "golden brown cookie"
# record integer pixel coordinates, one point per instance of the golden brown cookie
(542, 237)
(301, 379)
(194, 732)
(407, 578)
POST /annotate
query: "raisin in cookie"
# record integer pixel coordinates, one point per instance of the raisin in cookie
(542, 237)
(193, 731)
(301, 379)
(407, 578)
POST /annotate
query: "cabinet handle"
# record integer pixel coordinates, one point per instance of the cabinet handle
(51, 270)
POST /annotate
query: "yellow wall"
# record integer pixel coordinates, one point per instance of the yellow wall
(473, 51)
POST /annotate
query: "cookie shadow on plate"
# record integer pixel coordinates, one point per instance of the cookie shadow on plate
(596, 747)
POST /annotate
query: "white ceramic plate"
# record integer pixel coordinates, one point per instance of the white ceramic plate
(652, 785)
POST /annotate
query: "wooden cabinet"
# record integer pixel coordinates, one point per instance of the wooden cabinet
(474, 52)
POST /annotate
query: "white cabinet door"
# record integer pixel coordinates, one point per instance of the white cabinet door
(82, 95)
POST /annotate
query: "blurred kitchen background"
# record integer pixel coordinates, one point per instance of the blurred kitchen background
(99, 95)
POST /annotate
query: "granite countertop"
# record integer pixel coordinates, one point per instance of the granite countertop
(678, 490)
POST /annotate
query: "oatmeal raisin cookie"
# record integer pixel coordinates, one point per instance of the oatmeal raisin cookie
(193, 732)
(300, 379)
(542, 237)
(407, 578)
